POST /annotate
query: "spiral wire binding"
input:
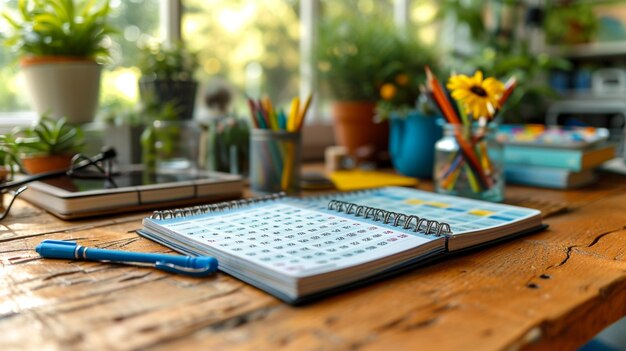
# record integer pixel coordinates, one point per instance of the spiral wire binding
(397, 219)
(217, 207)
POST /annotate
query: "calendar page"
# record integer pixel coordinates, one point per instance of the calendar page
(463, 215)
(292, 240)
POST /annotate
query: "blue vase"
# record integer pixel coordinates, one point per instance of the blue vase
(412, 143)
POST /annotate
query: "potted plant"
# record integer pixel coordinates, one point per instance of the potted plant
(61, 47)
(355, 59)
(413, 134)
(48, 145)
(167, 76)
(414, 127)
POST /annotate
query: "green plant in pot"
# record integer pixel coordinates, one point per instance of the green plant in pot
(354, 59)
(61, 45)
(413, 124)
(167, 75)
(48, 145)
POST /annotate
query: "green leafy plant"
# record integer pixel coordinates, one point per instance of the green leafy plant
(404, 72)
(569, 22)
(226, 134)
(360, 61)
(9, 161)
(59, 28)
(502, 52)
(49, 137)
(168, 63)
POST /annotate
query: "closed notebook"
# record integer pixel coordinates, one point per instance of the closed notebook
(548, 177)
(300, 249)
(572, 159)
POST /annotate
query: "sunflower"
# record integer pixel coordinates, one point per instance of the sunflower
(479, 97)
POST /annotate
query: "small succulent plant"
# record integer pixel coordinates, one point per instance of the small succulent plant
(49, 137)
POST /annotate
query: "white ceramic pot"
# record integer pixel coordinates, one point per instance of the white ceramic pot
(59, 87)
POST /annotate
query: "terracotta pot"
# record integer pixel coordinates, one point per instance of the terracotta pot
(40, 164)
(354, 126)
(63, 86)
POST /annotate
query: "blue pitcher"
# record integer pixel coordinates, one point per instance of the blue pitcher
(412, 143)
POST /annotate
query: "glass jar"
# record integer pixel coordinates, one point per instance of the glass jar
(171, 145)
(469, 162)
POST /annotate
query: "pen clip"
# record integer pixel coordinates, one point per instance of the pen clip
(194, 272)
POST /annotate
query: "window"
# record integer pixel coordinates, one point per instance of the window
(256, 46)
(253, 45)
(137, 22)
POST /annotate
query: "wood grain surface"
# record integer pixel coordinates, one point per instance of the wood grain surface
(552, 290)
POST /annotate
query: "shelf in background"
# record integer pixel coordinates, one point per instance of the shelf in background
(589, 95)
(590, 50)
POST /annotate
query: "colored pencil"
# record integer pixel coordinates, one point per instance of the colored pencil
(509, 86)
(293, 113)
(253, 115)
(302, 112)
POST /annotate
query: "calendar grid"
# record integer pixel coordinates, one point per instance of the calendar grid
(294, 240)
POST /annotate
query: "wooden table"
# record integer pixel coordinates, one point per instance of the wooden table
(550, 290)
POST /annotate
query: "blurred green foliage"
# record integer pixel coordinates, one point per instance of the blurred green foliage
(502, 52)
(59, 27)
(229, 139)
(570, 22)
(355, 58)
(168, 62)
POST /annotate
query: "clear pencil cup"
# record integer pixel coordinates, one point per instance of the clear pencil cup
(469, 162)
(274, 161)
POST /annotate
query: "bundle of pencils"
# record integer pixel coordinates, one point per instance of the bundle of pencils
(264, 116)
(474, 103)
(277, 167)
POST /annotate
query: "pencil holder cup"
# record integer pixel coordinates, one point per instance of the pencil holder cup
(274, 161)
(469, 162)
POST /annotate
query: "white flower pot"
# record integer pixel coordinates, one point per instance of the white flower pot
(60, 87)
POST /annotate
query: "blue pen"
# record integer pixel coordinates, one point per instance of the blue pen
(200, 266)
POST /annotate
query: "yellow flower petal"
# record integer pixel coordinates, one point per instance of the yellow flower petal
(479, 97)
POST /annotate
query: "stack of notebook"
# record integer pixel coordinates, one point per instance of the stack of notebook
(554, 157)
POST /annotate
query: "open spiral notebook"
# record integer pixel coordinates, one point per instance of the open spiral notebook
(299, 249)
